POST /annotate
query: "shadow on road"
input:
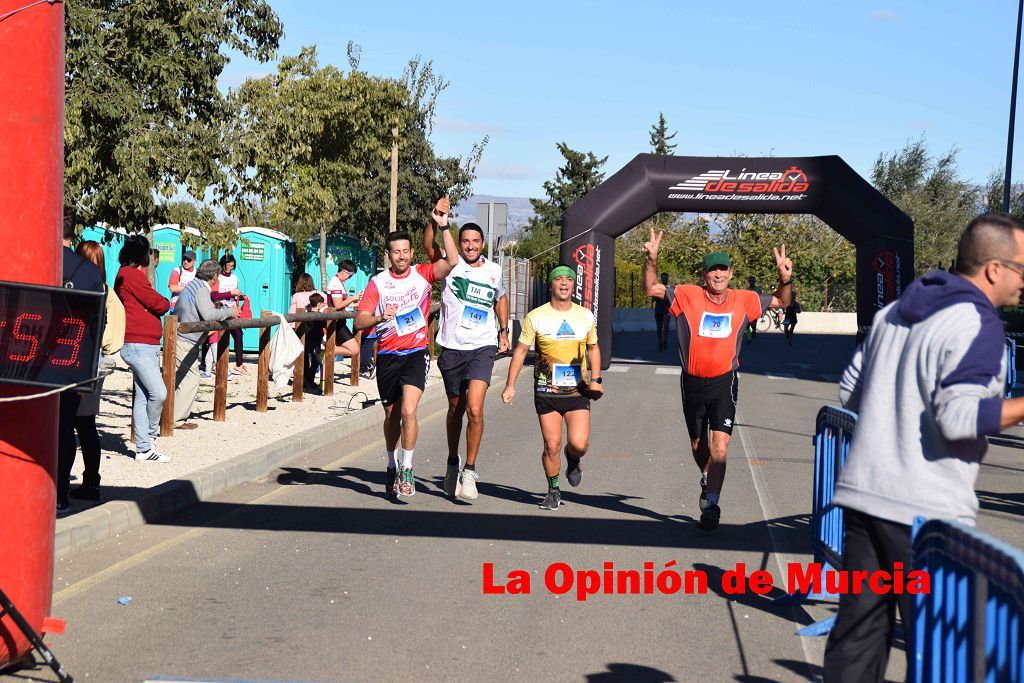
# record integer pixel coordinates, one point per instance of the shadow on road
(620, 673)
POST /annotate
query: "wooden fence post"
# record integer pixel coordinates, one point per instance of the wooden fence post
(220, 387)
(263, 367)
(300, 362)
(169, 370)
(327, 370)
(353, 378)
(431, 331)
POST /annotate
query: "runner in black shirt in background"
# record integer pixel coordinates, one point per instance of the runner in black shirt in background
(661, 317)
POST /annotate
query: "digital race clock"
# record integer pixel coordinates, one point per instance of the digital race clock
(49, 336)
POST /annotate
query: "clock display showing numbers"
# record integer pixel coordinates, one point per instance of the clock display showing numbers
(49, 336)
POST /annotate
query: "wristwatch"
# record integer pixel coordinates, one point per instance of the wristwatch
(503, 329)
(596, 379)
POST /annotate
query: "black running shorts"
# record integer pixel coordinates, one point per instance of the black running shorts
(458, 367)
(342, 333)
(546, 403)
(395, 372)
(709, 402)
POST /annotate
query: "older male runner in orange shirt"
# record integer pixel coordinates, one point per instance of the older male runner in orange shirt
(710, 322)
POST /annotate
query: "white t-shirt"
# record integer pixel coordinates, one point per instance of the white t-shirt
(467, 306)
(337, 288)
(180, 276)
(227, 283)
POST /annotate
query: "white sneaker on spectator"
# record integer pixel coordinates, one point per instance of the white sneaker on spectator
(152, 456)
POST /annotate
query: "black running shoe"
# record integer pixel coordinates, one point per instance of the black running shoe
(390, 488)
(573, 471)
(710, 517)
(552, 500)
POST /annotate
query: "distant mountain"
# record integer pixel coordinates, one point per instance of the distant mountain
(519, 209)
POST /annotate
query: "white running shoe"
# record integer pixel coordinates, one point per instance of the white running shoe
(467, 484)
(152, 456)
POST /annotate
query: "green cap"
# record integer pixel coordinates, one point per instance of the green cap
(717, 258)
(561, 271)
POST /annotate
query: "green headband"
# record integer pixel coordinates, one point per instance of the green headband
(561, 271)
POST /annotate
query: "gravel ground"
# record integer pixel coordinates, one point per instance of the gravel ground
(212, 442)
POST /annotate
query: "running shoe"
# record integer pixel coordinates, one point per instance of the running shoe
(390, 489)
(467, 485)
(152, 456)
(451, 480)
(552, 500)
(702, 502)
(573, 471)
(406, 485)
(710, 517)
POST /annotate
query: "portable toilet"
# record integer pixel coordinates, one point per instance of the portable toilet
(111, 239)
(264, 260)
(167, 239)
(339, 248)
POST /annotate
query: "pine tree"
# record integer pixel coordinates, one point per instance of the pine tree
(660, 138)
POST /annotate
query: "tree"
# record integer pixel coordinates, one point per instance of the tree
(660, 138)
(423, 176)
(994, 194)
(142, 109)
(580, 174)
(301, 139)
(928, 189)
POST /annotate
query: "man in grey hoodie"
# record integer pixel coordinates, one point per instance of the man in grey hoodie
(928, 386)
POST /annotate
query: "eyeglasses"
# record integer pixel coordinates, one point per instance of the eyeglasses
(1016, 267)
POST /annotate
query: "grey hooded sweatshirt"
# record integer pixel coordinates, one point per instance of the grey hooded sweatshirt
(927, 384)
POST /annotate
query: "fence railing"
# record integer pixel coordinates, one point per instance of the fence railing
(1011, 366)
(265, 323)
(970, 627)
(833, 432)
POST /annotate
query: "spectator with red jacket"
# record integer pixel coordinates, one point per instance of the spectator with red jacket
(143, 307)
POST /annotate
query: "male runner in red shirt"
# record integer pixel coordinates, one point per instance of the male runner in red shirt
(710, 322)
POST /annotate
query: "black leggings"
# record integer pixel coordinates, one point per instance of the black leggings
(89, 440)
(236, 335)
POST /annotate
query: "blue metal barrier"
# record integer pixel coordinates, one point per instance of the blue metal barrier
(833, 432)
(1011, 366)
(971, 626)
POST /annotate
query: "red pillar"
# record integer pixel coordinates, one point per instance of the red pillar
(31, 207)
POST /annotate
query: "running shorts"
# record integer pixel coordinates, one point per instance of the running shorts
(458, 367)
(546, 403)
(709, 402)
(395, 371)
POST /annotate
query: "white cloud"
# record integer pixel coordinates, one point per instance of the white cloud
(886, 15)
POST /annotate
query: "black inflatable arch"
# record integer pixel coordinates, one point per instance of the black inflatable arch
(824, 186)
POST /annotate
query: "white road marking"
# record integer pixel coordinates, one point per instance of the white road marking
(780, 375)
(668, 371)
(618, 368)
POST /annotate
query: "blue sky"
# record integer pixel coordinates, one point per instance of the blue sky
(757, 78)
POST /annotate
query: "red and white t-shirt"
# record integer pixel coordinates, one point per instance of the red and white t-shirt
(410, 294)
(180, 276)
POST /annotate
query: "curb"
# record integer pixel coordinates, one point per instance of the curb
(77, 532)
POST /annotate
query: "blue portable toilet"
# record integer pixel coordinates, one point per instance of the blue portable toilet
(167, 239)
(264, 260)
(111, 239)
(339, 248)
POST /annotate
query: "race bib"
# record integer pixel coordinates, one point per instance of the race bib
(715, 325)
(410, 321)
(566, 375)
(473, 318)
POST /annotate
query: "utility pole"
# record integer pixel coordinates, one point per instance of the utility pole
(393, 214)
(1013, 112)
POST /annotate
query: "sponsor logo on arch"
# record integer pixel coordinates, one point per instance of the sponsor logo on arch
(782, 185)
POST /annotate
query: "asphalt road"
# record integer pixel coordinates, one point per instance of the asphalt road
(311, 575)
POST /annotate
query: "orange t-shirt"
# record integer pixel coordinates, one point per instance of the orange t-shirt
(710, 334)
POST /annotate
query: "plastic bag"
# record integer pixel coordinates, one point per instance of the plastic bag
(285, 350)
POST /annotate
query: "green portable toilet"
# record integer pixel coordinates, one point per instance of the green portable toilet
(339, 248)
(264, 260)
(167, 239)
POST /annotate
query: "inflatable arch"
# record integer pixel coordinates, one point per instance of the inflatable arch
(824, 186)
